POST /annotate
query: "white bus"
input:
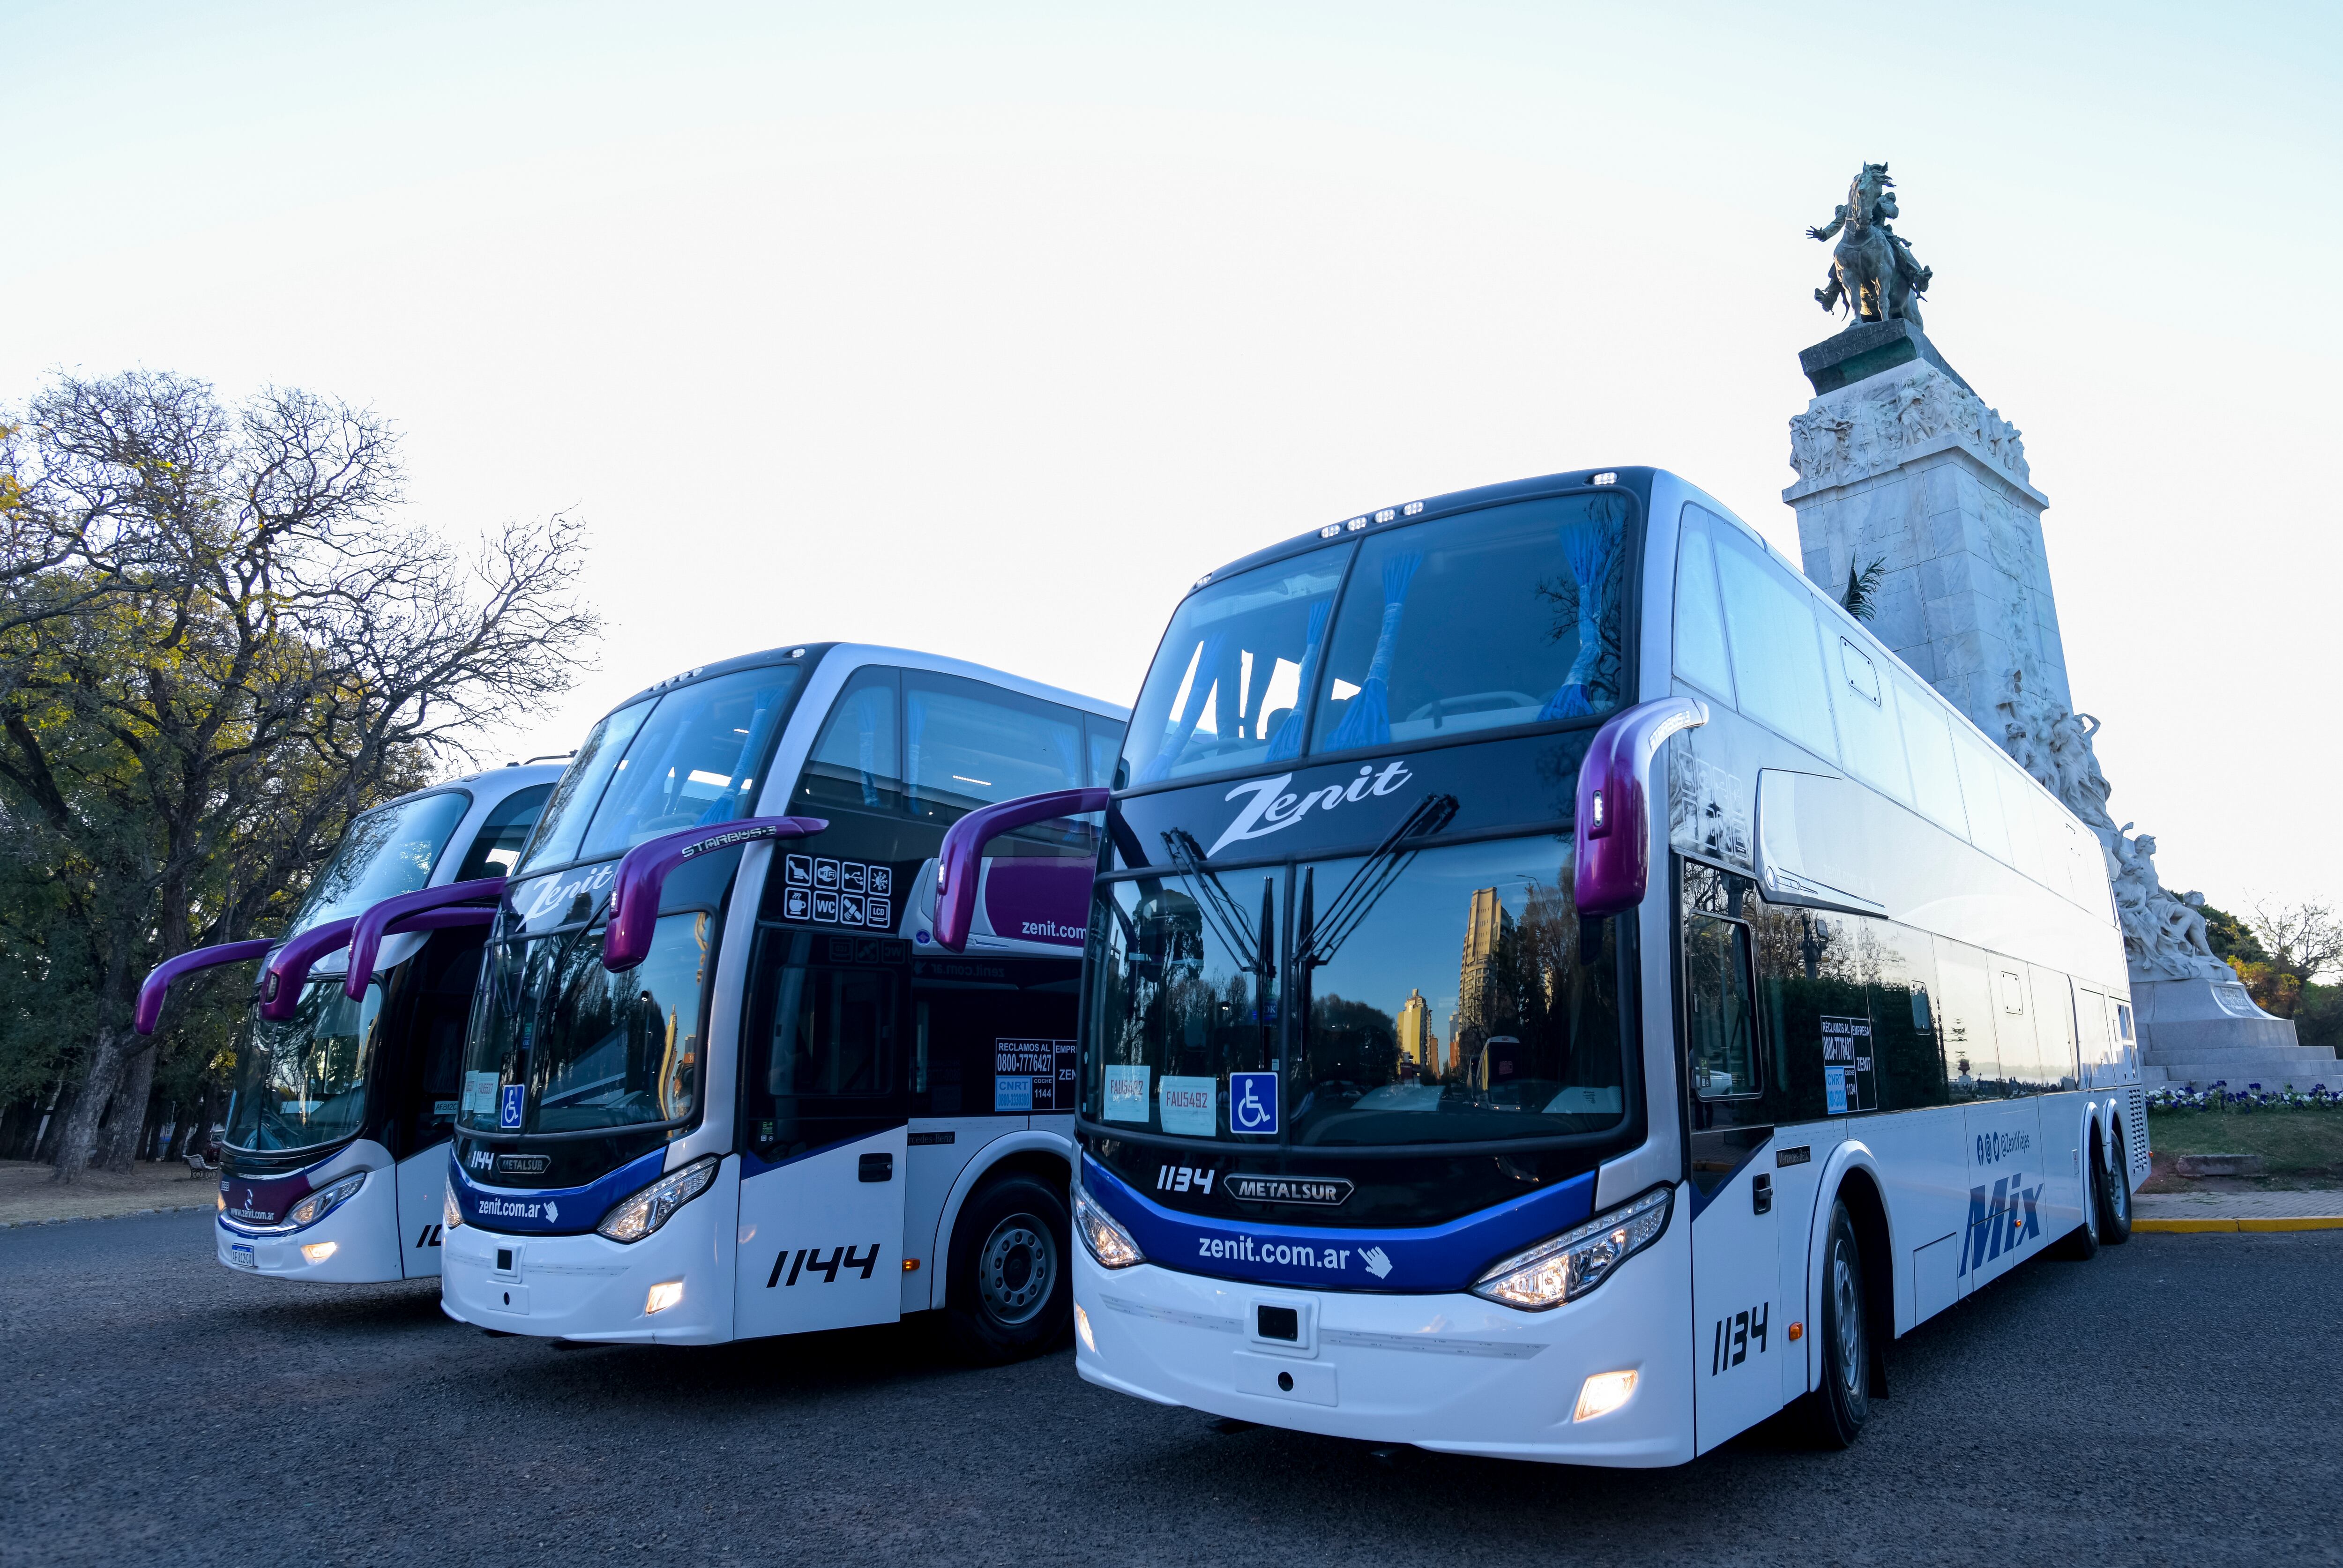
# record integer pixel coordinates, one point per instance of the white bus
(721, 1082)
(335, 1159)
(1559, 989)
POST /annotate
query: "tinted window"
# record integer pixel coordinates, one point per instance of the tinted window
(853, 761)
(1966, 1013)
(1514, 615)
(969, 744)
(1777, 664)
(1980, 772)
(1225, 688)
(695, 761)
(1701, 656)
(384, 853)
(824, 1041)
(563, 826)
(1720, 1018)
(496, 849)
(1105, 743)
(1899, 968)
(303, 1083)
(1928, 746)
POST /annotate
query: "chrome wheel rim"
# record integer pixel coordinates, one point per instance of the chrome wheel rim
(1847, 1314)
(2119, 1193)
(1016, 1268)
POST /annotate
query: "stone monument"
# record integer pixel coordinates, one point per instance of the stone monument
(1909, 485)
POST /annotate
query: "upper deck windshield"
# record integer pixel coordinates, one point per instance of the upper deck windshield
(302, 1084)
(386, 853)
(1509, 615)
(1382, 1034)
(690, 755)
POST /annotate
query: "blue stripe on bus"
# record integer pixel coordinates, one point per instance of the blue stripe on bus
(1437, 1258)
(552, 1211)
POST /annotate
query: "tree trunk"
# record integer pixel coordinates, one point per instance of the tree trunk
(132, 1106)
(79, 1139)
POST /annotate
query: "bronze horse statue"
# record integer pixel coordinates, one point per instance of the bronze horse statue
(1872, 270)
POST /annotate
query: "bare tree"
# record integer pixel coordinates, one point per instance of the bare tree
(266, 650)
(2303, 941)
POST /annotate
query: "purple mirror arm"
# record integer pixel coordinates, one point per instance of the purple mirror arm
(150, 994)
(635, 895)
(288, 971)
(365, 939)
(960, 863)
(1613, 827)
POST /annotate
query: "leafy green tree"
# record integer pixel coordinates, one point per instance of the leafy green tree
(222, 641)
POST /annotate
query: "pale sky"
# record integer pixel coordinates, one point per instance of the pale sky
(987, 329)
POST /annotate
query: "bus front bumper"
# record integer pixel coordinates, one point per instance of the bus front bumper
(1453, 1374)
(591, 1288)
(356, 1243)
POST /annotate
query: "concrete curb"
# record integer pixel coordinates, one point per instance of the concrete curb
(133, 1213)
(2192, 1227)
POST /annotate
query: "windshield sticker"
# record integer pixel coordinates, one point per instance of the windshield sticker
(1034, 1075)
(1190, 1105)
(479, 1094)
(838, 892)
(1274, 808)
(1126, 1093)
(1252, 1102)
(1848, 1082)
(509, 1109)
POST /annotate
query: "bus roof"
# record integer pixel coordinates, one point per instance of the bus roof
(813, 653)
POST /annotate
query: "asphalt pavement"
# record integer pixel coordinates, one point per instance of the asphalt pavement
(2172, 1402)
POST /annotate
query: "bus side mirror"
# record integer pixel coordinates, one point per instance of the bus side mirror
(635, 895)
(288, 971)
(150, 993)
(960, 864)
(427, 909)
(1613, 821)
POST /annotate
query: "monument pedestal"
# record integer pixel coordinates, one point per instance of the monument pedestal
(2204, 1031)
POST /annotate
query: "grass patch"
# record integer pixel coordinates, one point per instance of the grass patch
(2292, 1142)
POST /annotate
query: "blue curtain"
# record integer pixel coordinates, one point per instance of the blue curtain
(1587, 546)
(915, 725)
(729, 804)
(1368, 721)
(1200, 692)
(1286, 744)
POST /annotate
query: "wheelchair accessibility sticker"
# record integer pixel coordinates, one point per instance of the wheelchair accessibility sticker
(508, 1107)
(1252, 1102)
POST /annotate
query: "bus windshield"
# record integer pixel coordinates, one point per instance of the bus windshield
(589, 1048)
(1383, 1041)
(386, 853)
(689, 757)
(302, 1084)
(1509, 615)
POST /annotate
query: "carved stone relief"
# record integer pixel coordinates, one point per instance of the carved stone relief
(1876, 424)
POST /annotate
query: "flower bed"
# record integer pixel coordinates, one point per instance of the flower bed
(2219, 1095)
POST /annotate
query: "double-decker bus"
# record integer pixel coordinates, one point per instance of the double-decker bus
(721, 1082)
(1559, 988)
(335, 1159)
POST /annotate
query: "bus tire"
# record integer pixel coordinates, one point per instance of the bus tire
(1837, 1411)
(2114, 1194)
(2081, 1244)
(1010, 1293)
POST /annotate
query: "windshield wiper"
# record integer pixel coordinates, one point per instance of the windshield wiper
(1315, 943)
(1253, 947)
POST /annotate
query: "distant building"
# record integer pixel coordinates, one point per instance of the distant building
(1485, 928)
(1416, 1042)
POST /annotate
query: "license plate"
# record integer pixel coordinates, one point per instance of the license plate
(240, 1254)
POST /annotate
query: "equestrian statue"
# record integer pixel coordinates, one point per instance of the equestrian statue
(1872, 270)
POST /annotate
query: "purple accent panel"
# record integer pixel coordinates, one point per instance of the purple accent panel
(1039, 900)
(288, 971)
(960, 863)
(258, 1202)
(366, 938)
(150, 994)
(635, 895)
(1614, 824)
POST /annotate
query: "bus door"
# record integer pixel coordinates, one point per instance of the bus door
(823, 1167)
(1738, 1346)
(427, 1067)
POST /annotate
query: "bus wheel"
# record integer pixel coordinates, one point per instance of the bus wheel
(1010, 1294)
(2081, 1244)
(2115, 1194)
(1837, 1411)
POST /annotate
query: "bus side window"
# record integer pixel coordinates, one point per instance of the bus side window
(496, 849)
(1966, 1010)
(2054, 1024)
(2022, 1065)
(1928, 746)
(1981, 791)
(1778, 651)
(968, 743)
(853, 762)
(1701, 656)
(1105, 741)
(1720, 1023)
(1901, 983)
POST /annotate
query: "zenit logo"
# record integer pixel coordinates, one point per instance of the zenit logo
(1274, 807)
(2003, 1222)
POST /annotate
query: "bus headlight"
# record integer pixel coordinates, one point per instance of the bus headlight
(632, 1218)
(1574, 1263)
(1109, 1242)
(325, 1201)
(452, 1213)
